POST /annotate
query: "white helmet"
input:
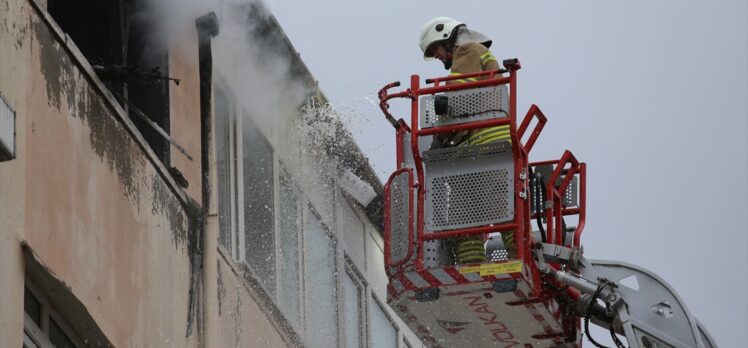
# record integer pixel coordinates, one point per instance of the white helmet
(437, 29)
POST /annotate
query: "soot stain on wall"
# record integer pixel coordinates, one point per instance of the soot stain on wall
(109, 138)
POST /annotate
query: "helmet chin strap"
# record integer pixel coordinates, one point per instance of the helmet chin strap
(448, 62)
(449, 46)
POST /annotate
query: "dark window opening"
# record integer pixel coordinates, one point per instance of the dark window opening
(97, 28)
(147, 52)
(32, 306)
(119, 38)
(58, 337)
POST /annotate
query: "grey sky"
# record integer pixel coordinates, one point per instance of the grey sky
(653, 95)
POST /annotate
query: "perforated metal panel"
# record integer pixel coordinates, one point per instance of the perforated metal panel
(495, 249)
(571, 196)
(468, 186)
(399, 220)
(435, 254)
(467, 106)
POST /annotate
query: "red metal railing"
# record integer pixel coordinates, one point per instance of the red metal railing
(567, 167)
(489, 78)
(520, 225)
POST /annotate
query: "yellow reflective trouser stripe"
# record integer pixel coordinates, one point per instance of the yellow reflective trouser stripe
(508, 238)
(466, 246)
(470, 250)
(483, 139)
(491, 139)
(486, 131)
(472, 257)
(485, 136)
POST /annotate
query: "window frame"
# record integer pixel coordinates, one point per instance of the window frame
(362, 287)
(305, 205)
(232, 160)
(336, 249)
(300, 242)
(40, 335)
(384, 307)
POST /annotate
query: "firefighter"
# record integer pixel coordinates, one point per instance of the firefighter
(464, 51)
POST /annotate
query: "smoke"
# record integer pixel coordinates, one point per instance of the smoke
(255, 63)
(253, 59)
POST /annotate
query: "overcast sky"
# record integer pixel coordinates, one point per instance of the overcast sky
(652, 95)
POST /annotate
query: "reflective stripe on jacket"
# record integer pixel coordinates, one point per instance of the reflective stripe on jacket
(471, 58)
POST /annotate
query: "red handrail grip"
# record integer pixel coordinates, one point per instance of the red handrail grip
(526, 121)
(534, 111)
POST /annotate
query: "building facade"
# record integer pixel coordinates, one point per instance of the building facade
(176, 179)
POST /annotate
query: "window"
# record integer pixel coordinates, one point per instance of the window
(117, 37)
(259, 206)
(147, 57)
(42, 326)
(352, 309)
(224, 156)
(383, 332)
(45, 323)
(267, 221)
(289, 286)
(96, 26)
(321, 284)
(353, 232)
(7, 131)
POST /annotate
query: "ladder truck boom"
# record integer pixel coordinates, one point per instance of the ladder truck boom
(549, 292)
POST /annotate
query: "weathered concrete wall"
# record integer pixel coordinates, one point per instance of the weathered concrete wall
(243, 321)
(13, 84)
(86, 196)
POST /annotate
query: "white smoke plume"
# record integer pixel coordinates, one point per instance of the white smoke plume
(273, 88)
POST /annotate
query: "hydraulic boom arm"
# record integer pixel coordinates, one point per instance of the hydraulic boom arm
(625, 299)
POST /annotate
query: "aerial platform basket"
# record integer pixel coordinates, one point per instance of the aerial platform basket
(439, 195)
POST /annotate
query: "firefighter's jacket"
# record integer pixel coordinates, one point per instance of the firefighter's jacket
(469, 58)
